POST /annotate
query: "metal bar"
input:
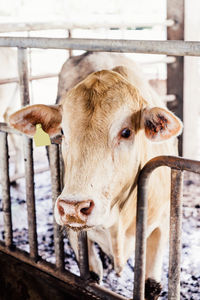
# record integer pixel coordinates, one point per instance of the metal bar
(5, 185)
(30, 197)
(23, 76)
(36, 77)
(5, 128)
(83, 255)
(177, 48)
(70, 36)
(175, 235)
(140, 243)
(165, 60)
(176, 163)
(175, 71)
(79, 284)
(22, 175)
(61, 165)
(73, 24)
(56, 190)
(28, 156)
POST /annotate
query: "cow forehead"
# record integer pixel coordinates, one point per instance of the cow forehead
(97, 99)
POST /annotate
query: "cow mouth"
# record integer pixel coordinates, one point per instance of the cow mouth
(78, 228)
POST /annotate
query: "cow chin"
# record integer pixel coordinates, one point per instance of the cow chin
(78, 228)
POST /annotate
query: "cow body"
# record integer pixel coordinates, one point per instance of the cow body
(113, 123)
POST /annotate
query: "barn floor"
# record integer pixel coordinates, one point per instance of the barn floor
(190, 269)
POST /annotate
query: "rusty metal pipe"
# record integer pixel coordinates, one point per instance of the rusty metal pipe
(28, 156)
(56, 190)
(177, 48)
(81, 286)
(175, 235)
(176, 163)
(30, 197)
(5, 186)
(83, 255)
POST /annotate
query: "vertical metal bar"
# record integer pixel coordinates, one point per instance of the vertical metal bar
(175, 80)
(61, 167)
(30, 197)
(70, 36)
(56, 189)
(175, 234)
(30, 67)
(83, 255)
(140, 244)
(28, 156)
(5, 185)
(23, 76)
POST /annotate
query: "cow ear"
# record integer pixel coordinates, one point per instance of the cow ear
(25, 119)
(160, 124)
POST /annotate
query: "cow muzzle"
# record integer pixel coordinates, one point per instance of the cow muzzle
(74, 213)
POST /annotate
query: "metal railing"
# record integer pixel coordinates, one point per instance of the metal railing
(176, 48)
(176, 164)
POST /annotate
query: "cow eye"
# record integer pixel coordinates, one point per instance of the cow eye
(126, 133)
(61, 131)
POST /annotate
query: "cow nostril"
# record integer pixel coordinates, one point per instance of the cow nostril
(61, 210)
(87, 210)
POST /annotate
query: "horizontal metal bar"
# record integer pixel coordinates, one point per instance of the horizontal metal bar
(22, 175)
(31, 78)
(175, 235)
(5, 187)
(164, 60)
(66, 276)
(174, 162)
(77, 24)
(169, 98)
(177, 48)
(4, 127)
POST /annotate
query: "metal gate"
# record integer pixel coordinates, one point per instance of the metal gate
(83, 284)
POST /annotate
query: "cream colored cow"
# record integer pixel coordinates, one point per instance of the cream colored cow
(113, 123)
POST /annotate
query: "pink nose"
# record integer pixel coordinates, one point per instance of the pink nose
(74, 211)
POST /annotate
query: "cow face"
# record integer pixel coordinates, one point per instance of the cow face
(106, 124)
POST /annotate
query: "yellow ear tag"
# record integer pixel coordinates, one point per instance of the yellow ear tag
(41, 138)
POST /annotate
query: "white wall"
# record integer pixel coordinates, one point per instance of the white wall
(192, 84)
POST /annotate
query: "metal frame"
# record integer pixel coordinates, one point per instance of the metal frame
(176, 164)
(175, 72)
(176, 48)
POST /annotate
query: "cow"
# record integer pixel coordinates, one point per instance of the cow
(112, 123)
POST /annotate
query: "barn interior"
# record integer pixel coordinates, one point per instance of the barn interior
(29, 226)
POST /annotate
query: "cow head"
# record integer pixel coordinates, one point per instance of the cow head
(107, 127)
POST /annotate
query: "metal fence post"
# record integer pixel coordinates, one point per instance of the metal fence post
(56, 183)
(175, 235)
(5, 185)
(28, 156)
